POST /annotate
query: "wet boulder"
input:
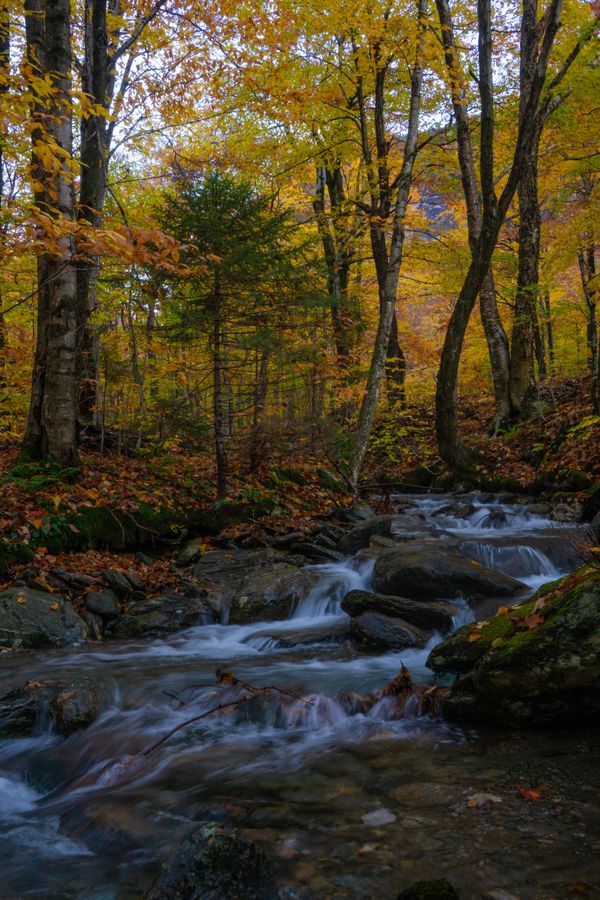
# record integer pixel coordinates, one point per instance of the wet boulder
(430, 575)
(270, 592)
(360, 536)
(373, 631)
(213, 863)
(162, 615)
(434, 616)
(76, 707)
(19, 710)
(32, 619)
(537, 663)
(103, 603)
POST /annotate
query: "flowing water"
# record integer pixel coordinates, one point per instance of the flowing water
(87, 817)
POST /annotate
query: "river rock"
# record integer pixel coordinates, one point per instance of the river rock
(360, 536)
(434, 616)
(118, 582)
(33, 619)
(214, 863)
(430, 576)
(372, 630)
(527, 666)
(162, 615)
(76, 707)
(19, 709)
(436, 889)
(191, 551)
(103, 603)
(270, 593)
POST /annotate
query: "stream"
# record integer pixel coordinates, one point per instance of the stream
(76, 822)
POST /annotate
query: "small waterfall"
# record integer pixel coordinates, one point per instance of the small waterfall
(335, 581)
(520, 561)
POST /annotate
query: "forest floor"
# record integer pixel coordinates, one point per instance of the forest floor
(42, 508)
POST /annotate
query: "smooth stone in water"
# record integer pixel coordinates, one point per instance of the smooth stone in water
(215, 863)
(432, 576)
(374, 631)
(436, 889)
(435, 616)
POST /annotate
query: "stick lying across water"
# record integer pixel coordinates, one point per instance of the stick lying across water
(223, 678)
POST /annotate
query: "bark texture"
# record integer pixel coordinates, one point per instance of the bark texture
(52, 422)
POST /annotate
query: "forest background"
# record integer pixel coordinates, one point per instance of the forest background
(257, 251)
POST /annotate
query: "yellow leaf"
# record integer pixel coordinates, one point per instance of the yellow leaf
(474, 636)
(55, 606)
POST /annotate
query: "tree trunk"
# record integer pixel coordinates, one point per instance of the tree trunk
(495, 334)
(387, 264)
(218, 399)
(4, 86)
(494, 210)
(522, 381)
(587, 268)
(52, 423)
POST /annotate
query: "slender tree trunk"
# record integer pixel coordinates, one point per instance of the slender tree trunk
(52, 423)
(539, 341)
(258, 408)
(387, 264)
(4, 86)
(218, 399)
(587, 268)
(522, 381)
(495, 334)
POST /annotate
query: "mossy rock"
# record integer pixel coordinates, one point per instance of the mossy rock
(437, 889)
(214, 863)
(530, 665)
(13, 553)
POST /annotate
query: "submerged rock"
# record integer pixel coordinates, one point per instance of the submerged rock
(432, 575)
(215, 863)
(534, 664)
(437, 889)
(372, 630)
(435, 616)
(19, 709)
(32, 619)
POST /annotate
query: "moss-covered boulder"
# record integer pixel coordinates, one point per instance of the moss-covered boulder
(32, 619)
(213, 863)
(532, 664)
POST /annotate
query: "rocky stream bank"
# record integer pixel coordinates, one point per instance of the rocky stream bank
(323, 761)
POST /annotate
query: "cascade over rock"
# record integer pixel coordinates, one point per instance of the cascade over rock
(432, 576)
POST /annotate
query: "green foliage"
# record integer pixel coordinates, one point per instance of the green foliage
(36, 476)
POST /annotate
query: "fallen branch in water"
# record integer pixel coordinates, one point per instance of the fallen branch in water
(187, 722)
(223, 678)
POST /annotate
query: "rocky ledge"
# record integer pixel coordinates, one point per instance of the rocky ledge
(532, 664)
